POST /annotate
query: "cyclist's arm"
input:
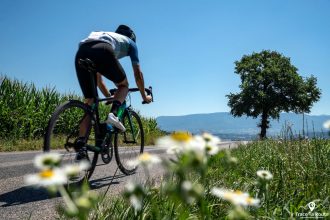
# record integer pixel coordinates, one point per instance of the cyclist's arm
(102, 86)
(138, 75)
(140, 82)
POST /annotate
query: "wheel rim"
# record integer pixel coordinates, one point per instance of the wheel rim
(64, 130)
(130, 143)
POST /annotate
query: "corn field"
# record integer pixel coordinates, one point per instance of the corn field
(25, 110)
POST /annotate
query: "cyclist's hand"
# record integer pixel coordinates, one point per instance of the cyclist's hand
(147, 99)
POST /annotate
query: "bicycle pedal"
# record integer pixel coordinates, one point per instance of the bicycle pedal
(82, 155)
(106, 158)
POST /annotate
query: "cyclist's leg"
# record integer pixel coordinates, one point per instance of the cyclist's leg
(120, 95)
(109, 66)
(87, 87)
(86, 79)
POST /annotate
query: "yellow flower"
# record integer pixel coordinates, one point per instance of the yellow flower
(48, 177)
(144, 159)
(180, 142)
(237, 198)
(174, 143)
(181, 136)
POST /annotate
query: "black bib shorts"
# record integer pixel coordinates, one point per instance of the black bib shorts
(106, 63)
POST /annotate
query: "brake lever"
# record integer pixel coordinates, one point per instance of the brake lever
(149, 93)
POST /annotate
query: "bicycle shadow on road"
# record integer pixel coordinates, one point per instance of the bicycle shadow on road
(105, 181)
(23, 195)
(26, 194)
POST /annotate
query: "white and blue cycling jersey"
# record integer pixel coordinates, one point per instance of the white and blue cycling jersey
(122, 45)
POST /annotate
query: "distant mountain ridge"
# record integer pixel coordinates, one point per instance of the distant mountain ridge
(225, 123)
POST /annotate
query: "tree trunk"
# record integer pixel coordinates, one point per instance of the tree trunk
(264, 125)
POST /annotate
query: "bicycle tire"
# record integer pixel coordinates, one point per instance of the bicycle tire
(125, 151)
(64, 125)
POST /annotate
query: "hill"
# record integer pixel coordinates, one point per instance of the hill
(225, 124)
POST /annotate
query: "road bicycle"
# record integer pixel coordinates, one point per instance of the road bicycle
(64, 129)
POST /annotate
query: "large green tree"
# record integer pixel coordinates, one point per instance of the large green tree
(270, 84)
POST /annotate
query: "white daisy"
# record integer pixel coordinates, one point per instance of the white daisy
(237, 198)
(211, 143)
(187, 188)
(72, 170)
(326, 125)
(48, 177)
(47, 160)
(211, 138)
(190, 191)
(135, 193)
(186, 185)
(176, 142)
(264, 175)
(130, 187)
(136, 202)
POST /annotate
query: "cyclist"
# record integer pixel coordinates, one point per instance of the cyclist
(104, 49)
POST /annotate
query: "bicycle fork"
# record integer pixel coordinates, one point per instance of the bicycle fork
(126, 141)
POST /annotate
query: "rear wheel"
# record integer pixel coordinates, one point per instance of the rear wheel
(63, 132)
(129, 144)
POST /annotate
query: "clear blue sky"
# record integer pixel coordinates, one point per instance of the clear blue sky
(187, 48)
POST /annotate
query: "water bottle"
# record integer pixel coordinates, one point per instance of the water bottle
(121, 109)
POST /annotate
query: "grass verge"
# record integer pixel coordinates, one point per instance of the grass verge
(20, 145)
(301, 174)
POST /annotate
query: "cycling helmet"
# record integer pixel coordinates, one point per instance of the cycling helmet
(126, 31)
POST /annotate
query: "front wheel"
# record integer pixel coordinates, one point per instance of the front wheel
(129, 144)
(64, 129)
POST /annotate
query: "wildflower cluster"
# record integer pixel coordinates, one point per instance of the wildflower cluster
(50, 174)
(186, 183)
(53, 177)
(180, 143)
(237, 197)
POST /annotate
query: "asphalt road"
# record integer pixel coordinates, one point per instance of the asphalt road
(20, 202)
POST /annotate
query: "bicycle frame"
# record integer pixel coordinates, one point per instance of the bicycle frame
(95, 112)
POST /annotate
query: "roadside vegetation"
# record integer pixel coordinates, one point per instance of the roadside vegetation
(25, 111)
(280, 177)
(269, 179)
